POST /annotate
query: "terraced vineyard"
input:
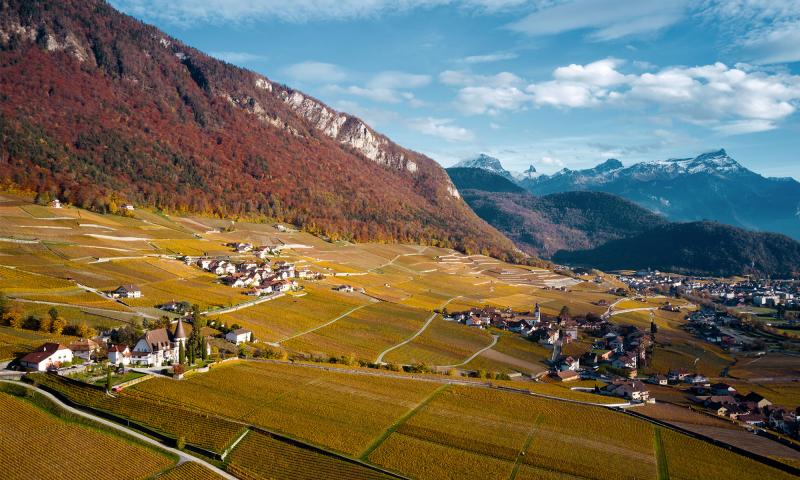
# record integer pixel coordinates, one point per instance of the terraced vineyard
(198, 429)
(38, 444)
(260, 456)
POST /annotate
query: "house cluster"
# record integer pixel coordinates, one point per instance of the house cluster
(718, 327)
(757, 293)
(259, 276)
(751, 409)
(622, 347)
(649, 281)
(545, 330)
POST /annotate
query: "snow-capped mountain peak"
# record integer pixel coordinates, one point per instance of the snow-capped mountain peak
(484, 162)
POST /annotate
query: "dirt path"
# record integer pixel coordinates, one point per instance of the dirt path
(412, 337)
(495, 338)
(530, 367)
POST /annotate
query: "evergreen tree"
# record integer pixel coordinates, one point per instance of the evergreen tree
(181, 354)
(204, 349)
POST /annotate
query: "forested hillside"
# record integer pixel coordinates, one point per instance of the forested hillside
(98, 109)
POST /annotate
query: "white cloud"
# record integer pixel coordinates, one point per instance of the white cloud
(238, 57)
(442, 128)
(734, 100)
(766, 31)
(461, 78)
(491, 57)
(605, 19)
(387, 87)
(491, 100)
(316, 72)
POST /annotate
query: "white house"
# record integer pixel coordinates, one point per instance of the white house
(49, 355)
(158, 347)
(119, 355)
(128, 207)
(238, 336)
(127, 291)
(55, 203)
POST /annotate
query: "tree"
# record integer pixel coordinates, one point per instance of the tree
(563, 315)
(13, 318)
(181, 354)
(4, 304)
(53, 312)
(204, 349)
(45, 324)
(58, 325)
(84, 331)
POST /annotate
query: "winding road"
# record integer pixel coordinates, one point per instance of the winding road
(495, 338)
(182, 456)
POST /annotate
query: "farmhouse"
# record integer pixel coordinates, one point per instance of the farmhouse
(85, 349)
(238, 336)
(127, 291)
(158, 347)
(49, 355)
(119, 355)
(55, 203)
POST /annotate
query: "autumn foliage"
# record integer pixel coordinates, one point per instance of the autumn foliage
(98, 108)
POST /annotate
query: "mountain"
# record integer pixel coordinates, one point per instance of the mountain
(99, 108)
(706, 248)
(711, 186)
(485, 162)
(544, 225)
(467, 178)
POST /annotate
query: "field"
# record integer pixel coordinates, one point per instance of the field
(189, 471)
(53, 446)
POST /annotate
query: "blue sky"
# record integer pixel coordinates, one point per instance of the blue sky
(552, 83)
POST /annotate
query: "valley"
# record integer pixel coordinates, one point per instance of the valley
(359, 380)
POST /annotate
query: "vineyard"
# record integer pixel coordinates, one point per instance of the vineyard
(365, 332)
(442, 343)
(198, 429)
(259, 456)
(37, 444)
(14, 342)
(339, 411)
(189, 471)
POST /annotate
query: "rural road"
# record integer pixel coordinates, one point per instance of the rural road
(419, 332)
(265, 298)
(183, 457)
(495, 338)
(325, 324)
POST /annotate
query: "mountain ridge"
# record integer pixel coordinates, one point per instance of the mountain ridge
(100, 107)
(709, 186)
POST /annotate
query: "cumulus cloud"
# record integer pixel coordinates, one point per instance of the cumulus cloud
(460, 78)
(491, 100)
(316, 72)
(731, 100)
(443, 128)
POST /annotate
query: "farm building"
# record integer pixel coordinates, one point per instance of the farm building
(240, 335)
(49, 355)
(127, 291)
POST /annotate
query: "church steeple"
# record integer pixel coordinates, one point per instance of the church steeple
(180, 333)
